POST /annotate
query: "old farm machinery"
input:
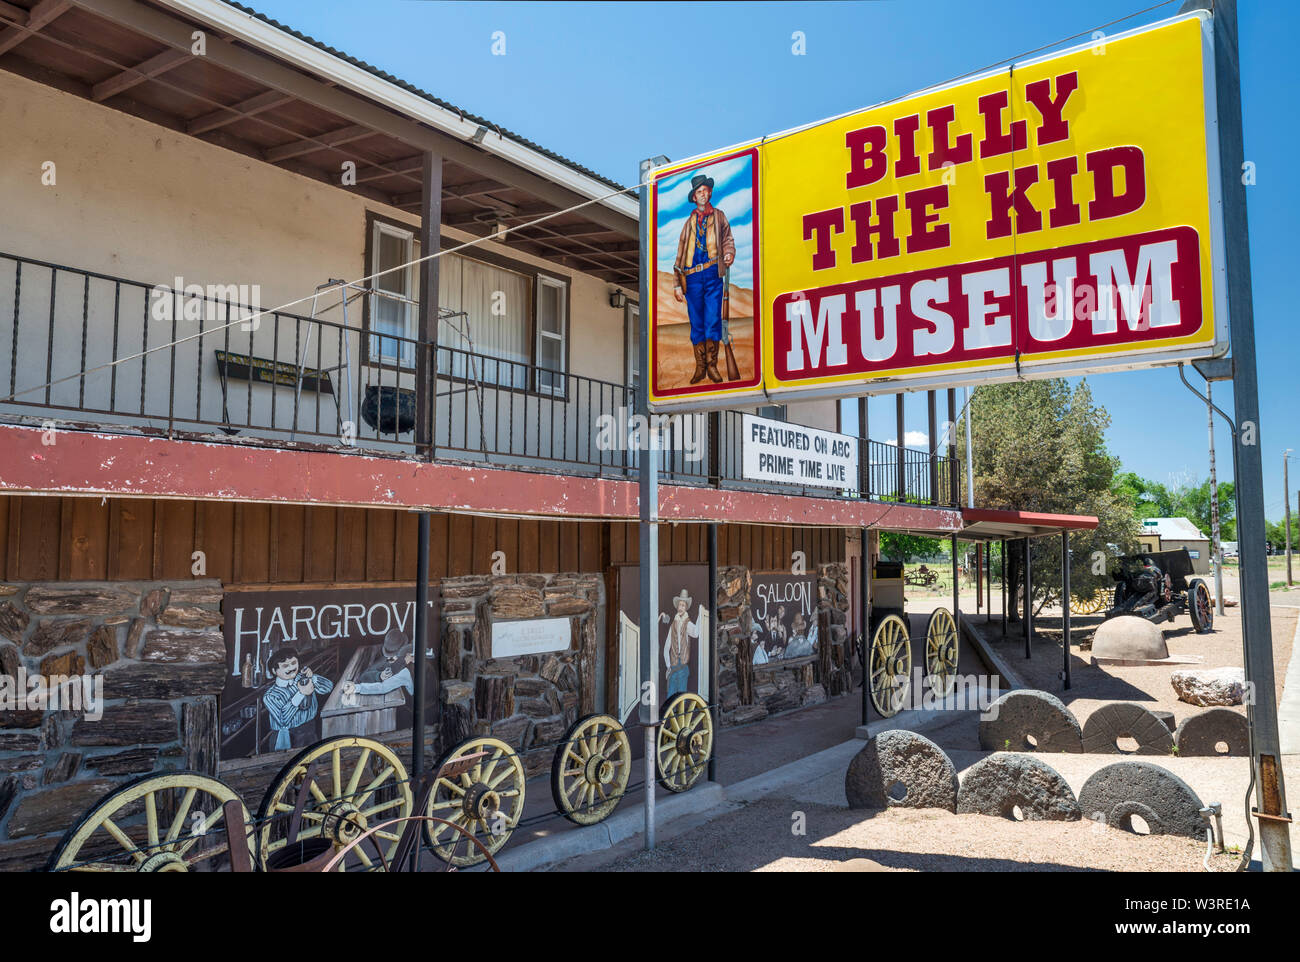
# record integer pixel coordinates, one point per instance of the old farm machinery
(1155, 586)
(348, 803)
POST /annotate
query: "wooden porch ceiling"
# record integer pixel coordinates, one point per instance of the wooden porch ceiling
(136, 57)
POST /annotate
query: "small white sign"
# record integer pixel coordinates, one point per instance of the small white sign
(794, 454)
(530, 637)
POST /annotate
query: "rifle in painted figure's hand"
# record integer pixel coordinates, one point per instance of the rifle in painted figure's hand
(733, 369)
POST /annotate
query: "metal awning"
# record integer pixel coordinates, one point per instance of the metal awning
(987, 524)
(264, 91)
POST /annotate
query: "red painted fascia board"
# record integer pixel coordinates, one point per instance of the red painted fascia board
(996, 516)
(87, 463)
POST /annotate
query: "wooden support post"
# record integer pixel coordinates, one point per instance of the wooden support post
(1065, 607)
(426, 355)
(933, 412)
(901, 479)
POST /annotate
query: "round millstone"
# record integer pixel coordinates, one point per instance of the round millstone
(1029, 721)
(1019, 787)
(1116, 793)
(1129, 638)
(1109, 723)
(901, 769)
(1200, 734)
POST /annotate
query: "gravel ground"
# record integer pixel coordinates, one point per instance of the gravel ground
(759, 837)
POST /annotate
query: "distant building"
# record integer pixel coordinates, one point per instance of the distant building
(1170, 534)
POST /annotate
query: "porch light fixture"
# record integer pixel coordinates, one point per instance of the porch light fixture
(617, 299)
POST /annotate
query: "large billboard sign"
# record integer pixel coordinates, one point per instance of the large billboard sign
(1060, 216)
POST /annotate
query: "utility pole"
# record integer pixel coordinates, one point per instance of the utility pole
(1216, 545)
(1286, 494)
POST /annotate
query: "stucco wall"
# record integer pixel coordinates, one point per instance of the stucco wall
(139, 201)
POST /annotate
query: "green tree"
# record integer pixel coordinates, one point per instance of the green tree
(1038, 446)
(1183, 498)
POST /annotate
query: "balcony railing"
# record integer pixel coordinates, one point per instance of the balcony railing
(90, 347)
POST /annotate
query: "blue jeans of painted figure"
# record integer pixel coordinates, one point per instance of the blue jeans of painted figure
(678, 678)
(704, 305)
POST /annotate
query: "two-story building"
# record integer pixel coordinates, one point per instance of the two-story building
(216, 450)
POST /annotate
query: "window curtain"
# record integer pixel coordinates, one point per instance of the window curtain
(497, 304)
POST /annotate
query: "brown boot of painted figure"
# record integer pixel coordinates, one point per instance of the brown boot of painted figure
(700, 362)
(711, 361)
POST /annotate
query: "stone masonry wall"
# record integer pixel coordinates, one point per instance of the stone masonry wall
(159, 649)
(749, 692)
(527, 701)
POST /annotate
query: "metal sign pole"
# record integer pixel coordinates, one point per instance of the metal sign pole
(1270, 795)
(648, 710)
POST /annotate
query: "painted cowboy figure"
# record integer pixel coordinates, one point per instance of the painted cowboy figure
(704, 252)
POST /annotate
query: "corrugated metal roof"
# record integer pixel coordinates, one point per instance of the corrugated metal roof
(411, 88)
(1177, 529)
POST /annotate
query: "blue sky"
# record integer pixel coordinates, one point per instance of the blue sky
(590, 81)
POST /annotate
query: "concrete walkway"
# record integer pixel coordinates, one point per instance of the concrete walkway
(1288, 711)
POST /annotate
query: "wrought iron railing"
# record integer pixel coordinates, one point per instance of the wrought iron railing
(89, 347)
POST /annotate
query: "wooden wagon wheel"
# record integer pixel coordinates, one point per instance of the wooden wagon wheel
(685, 741)
(355, 782)
(591, 769)
(169, 822)
(486, 801)
(890, 667)
(1088, 604)
(941, 652)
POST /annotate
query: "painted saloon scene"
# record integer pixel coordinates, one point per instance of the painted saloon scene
(602, 437)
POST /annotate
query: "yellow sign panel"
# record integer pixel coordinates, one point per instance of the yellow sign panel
(1056, 217)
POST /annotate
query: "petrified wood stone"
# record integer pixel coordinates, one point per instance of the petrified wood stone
(98, 600)
(102, 647)
(52, 633)
(189, 647)
(67, 664)
(203, 593)
(199, 735)
(516, 601)
(144, 723)
(9, 660)
(153, 602)
(131, 761)
(63, 769)
(163, 680)
(54, 809)
(189, 616)
(13, 621)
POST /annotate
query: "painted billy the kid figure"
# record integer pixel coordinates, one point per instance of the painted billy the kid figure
(704, 252)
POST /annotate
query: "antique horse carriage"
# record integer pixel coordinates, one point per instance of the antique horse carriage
(347, 803)
(887, 660)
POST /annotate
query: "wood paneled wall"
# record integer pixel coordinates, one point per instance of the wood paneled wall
(124, 539)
